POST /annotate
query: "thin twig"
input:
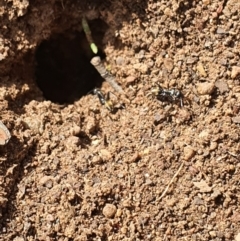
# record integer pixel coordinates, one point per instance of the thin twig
(97, 63)
(166, 189)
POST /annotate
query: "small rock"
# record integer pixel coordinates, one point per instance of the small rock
(120, 175)
(18, 239)
(126, 203)
(97, 160)
(168, 63)
(220, 30)
(109, 210)
(34, 124)
(213, 145)
(120, 60)
(201, 70)
(236, 119)
(155, 30)
(205, 88)
(70, 230)
(4, 134)
(223, 62)
(168, 12)
(143, 68)
(75, 130)
(183, 115)
(235, 71)
(136, 157)
(130, 79)
(119, 213)
(71, 141)
(91, 124)
(206, 2)
(105, 154)
(208, 44)
(203, 186)
(46, 181)
(50, 218)
(158, 117)
(216, 193)
(222, 86)
(213, 234)
(237, 238)
(191, 60)
(189, 152)
(198, 201)
(235, 217)
(204, 136)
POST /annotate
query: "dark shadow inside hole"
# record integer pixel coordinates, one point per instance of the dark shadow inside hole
(64, 72)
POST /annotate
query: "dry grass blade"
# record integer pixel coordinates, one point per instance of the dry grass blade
(169, 184)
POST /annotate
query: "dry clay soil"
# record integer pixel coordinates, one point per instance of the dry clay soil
(155, 170)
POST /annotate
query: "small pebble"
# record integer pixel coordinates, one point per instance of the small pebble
(72, 141)
(119, 213)
(120, 60)
(168, 63)
(201, 70)
(91, 124)
(213, 234)
(189, 152)
(191, 60)
(237, 238)
(46, 181)
(130, 79)
(213, 145)
(109, 210)
(235, 71)
(221, 30)
(222, 86)
(143, 68)
(126, 203)
(97, 160)
(202, 186)
(205, 88)
(236, 119)
(183, 115)
(105, 154)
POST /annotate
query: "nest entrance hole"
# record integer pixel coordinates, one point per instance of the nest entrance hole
(63, 69)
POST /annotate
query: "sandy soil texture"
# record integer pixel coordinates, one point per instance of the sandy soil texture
(164, 165)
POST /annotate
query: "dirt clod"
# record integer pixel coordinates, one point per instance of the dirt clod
(222, 86)
(205, 88)
(235, 72)
(109, 210)
(189, 152)
(203, 186)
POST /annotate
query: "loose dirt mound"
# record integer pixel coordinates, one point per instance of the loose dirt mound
(154, 170)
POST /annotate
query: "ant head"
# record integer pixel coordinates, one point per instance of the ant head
(156, 89)
(95, 91)
(177, 94)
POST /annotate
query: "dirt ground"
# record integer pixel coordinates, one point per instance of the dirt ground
(154, 170)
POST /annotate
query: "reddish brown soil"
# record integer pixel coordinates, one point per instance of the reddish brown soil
(152, 171)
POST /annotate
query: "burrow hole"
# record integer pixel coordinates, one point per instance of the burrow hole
(63, 69)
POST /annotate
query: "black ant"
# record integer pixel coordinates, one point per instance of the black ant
(105, 100)
(167, 94)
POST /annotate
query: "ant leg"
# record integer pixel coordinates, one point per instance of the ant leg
(181, 102)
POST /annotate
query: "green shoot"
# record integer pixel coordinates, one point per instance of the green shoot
(88, 33)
